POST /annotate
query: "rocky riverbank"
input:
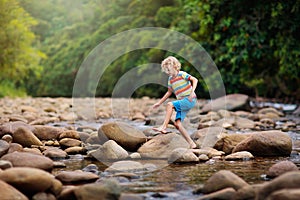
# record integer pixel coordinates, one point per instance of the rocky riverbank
(37, 132)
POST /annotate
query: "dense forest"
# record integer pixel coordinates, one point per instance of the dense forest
(254, 44)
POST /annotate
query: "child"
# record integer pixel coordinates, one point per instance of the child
(183, 85)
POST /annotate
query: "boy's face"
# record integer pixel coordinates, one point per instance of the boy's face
(171, 71)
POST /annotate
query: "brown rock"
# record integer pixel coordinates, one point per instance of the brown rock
(22, 159)
(229, 141)
(161, 146)
(4, 164)
(47, 132)
(94, 139)
(228, 102)
(288, 180)
(126, 166)
(67, 192)
(266, 111)
(25, 137)
(241, 155)
(14, 147)
(227, 193)
(266, 143)
(28, 109)
(108, 190)
(221, 180)
(54, 152)
(4, 146)
(33, 180)
(210, 152)
(32, 150)
(9, 192)
(182, 155)
(281, 168)
(125, 135)
(208, 137)
(248, 192)
(43, 196)
(11, 127)
(77, 176)
(75, 150)
(69, 142)
(243, 123)
(69, 134)
(56, 187)
(44, 120)
(110, 151)
(85, 135)
(285, 194)
(8, 138)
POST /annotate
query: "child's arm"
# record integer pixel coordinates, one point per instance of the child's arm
(163, 99)
(194, 82)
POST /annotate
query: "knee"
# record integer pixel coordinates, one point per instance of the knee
(170, 104)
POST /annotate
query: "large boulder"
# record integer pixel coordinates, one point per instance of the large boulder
(286, 194)
(228, 141)
(11, 127)
(266, 143)
(182, 155)
(125, 135)
(221, 180)
(25, 137)
(47, 132)
(23, 159)
(107, 190)
(110, 151)
(28, 180)
(161, 146)
(228, 102)
(208, 137)
(281, 168)
(9, 192)
(243, 123)
(289, 180)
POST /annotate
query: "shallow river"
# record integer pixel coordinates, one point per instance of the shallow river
(178, 181)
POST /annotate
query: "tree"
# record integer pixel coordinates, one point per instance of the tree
(18, 57)
(254, 43)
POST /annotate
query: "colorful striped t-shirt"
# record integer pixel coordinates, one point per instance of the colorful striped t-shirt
(180, 84)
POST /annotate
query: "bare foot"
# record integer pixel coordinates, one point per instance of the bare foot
(161, 130)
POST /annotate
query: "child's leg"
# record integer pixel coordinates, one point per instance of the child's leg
(185, 134)
(169, 111)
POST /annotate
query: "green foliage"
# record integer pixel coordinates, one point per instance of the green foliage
(18, 57)
(255, 44)
(8, 89)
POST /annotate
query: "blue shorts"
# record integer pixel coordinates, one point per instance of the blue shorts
(182, 107)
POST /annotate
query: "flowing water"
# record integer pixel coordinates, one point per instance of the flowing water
(178, 181)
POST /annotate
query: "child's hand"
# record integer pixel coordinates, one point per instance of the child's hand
(192, 95)
(156, 105)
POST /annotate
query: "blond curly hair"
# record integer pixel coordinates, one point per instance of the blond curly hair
(170, 63)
